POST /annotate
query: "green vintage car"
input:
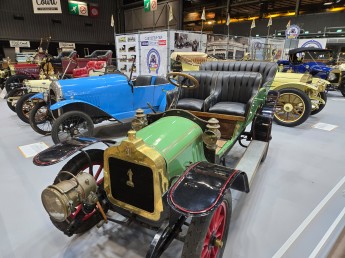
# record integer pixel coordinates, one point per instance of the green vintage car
(300, 94)
(169, 169)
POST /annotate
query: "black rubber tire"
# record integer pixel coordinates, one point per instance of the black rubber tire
(198, 228)
(33, 121)
(323, 95)
(15, 79)
(24, 100)
(342, 91)
(72, 115)
(306, 102)
(74, 166)
(12, 94)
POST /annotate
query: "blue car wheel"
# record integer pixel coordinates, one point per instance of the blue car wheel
(71, 124)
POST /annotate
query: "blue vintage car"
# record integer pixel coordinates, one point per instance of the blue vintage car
(72, 107)
(316, 61)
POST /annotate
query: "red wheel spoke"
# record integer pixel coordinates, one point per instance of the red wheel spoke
(98, 172)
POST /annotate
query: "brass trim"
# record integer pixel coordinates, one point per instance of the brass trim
(135, 150)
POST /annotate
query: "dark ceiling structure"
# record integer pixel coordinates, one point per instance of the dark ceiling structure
(246, 9)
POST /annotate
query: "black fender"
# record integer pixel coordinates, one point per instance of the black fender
(262, 122)
(200, 189)
(63, 150)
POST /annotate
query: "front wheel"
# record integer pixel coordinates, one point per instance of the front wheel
(323, 96)
(92, 162)
(24, 107)
(293, 107)
(70, 124)
(40, 118)
(13, 96)
(15, 81)
(207, 235)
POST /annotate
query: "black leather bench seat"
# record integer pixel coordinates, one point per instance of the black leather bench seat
(229, 108)
(190, 104)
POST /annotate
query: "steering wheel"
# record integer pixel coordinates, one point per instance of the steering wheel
(186, 77)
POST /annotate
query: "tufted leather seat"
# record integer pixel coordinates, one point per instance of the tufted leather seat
(266, 69)
(199, 99)
(237, 89)
(143, 80)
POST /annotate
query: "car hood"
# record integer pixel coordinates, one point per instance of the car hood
(87, 85)
(288, 77)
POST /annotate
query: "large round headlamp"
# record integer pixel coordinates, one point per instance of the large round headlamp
(331, 76)
(61, 199)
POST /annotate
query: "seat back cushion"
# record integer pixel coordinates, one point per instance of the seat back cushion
(237, 86)
(160, 80)
(266, 69)
(206, 85)
(143, 80)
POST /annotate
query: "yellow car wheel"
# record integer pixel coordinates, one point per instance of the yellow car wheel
(293, 107)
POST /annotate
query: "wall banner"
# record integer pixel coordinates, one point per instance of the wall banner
(127, 49)
(317, 43)
(46, 6)
(154, 53)
(19, 43)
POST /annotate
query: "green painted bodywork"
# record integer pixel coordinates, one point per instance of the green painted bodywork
(258, 101)
(179, 142)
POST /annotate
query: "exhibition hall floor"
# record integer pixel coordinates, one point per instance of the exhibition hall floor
(295, 207)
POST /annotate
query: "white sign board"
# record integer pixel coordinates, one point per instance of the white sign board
(46, 6)
(324, 126)
(66, 45)
(127, 49)
(31, 150)
(19, 43)
(317, 43)
(154, 51)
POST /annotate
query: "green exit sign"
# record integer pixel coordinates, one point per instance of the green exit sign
(147, 5)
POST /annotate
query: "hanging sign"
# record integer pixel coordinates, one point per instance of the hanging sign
(19, 43)
(150, 5)
(77, 8)
(46, 6)
(66, 45)
(292, 32)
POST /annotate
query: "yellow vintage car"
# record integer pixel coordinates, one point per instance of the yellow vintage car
(301, 95)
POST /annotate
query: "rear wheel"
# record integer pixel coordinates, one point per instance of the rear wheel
(13, 96)
(293, 107)
(314, 110)
(40, 118)
(24, 106)
(70, 124)
(342, 91)
(79, 222)
(207, 235)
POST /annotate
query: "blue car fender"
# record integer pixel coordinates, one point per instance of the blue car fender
(63, 103)
(37, 96)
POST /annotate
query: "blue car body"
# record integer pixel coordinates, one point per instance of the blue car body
(107, 96)
(311, 64)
